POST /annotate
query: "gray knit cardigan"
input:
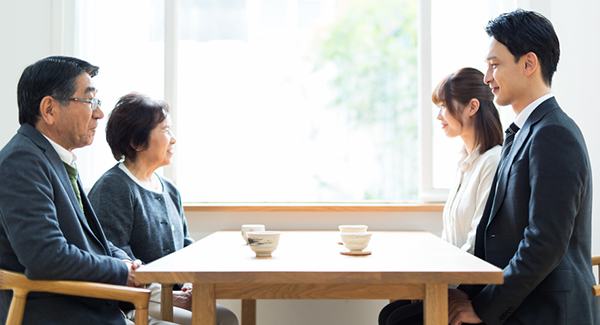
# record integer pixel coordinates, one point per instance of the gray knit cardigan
(145, 224)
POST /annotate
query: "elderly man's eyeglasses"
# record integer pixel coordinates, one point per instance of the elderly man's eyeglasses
(94, 101)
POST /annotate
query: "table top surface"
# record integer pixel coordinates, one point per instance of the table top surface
(314, 257)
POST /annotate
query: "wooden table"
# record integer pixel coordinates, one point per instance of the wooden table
(308, 265)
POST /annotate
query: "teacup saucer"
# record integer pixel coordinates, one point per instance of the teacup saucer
(364, 253)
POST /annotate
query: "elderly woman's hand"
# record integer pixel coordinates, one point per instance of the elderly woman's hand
(182, 299)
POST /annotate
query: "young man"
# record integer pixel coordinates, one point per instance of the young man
(537, 222)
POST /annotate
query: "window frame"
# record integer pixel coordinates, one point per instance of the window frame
(427, 193)
(171, 71)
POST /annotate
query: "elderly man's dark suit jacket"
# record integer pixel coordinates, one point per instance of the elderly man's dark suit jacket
(44, 234)
(539, 228)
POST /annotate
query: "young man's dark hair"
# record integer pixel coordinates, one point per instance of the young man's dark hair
(523, 31)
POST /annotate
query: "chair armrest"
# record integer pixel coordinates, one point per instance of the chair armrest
(21, 286)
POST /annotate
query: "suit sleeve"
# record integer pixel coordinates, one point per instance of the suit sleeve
(29, 188)
(557, 171)
(117, 252)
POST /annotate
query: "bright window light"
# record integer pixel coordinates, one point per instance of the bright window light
(297, 101)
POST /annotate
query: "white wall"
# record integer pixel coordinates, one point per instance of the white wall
(27, 36)
(574, 85)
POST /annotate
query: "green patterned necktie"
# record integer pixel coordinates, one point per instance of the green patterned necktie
(72, 171)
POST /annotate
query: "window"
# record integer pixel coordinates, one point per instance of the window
(303, 101)
(307, 100)
(126, 40)
(289, 100)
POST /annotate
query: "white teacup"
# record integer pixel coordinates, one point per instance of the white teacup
(353, 228)
(248, 228)
(263, 243)
(356, 241)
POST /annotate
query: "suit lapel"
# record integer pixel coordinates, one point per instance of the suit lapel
(485, 218)
(92, 220)
(58, 166)
(60, 170)
(521, 137)
(510, 159)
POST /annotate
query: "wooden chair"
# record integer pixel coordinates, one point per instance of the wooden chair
(596, 262)
(21, 286)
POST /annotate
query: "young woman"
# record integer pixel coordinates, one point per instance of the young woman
(466, 111)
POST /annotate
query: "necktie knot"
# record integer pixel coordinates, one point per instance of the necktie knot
(71, 171)
(511, 131)
(508, 141)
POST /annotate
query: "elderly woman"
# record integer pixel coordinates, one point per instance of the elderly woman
(140, 211)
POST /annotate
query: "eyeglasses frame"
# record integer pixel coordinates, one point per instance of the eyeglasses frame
(95, 102)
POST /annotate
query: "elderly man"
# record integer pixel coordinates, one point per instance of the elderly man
(48, 229)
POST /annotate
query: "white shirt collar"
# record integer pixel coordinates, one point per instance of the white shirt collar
(465, 161)
(524, 115)
(65, 155)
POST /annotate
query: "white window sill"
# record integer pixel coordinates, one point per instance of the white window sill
(311, 206)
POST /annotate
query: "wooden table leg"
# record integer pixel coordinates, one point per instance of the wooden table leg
(248, 312)
(436, 304)
(166, 301)
(204, 304)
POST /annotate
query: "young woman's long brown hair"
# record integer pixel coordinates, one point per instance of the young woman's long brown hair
(462, 86)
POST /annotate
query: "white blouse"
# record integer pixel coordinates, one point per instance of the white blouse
(468, 195)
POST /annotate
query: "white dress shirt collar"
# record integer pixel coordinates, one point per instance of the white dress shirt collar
(524, 115)
(65, 155)
(465, 160)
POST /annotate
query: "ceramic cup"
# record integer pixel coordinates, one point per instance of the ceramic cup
(248, 228)
(353, 228)
(356, 241)
(263, 243)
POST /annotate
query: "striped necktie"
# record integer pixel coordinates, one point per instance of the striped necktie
(508, 141)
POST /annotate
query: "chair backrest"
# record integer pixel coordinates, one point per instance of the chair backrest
(21, 286)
